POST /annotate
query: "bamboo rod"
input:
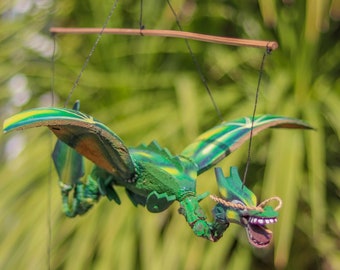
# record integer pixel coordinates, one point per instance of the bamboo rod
(271, 45)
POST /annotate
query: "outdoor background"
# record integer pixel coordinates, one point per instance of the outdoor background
(147, 88)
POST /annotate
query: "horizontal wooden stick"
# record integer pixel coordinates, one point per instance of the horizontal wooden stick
(271, 45)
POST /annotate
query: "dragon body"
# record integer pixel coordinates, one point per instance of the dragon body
(151, 175)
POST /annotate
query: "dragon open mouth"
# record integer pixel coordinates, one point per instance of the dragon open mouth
(258, 234)
(240, 206)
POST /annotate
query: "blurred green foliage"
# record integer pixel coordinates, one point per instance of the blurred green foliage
(147, 88)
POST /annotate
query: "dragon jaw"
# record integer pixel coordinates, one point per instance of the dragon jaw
(255, 225)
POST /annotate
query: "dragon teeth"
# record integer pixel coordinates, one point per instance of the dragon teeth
(262, 221)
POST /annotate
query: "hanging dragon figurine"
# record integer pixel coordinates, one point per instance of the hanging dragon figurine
(151, 175)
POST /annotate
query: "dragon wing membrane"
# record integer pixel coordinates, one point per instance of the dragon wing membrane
(87, 136)
(217, 143)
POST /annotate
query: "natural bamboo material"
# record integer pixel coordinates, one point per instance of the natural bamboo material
(270, 45)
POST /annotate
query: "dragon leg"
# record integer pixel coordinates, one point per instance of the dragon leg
(197, 219)
(70, 169)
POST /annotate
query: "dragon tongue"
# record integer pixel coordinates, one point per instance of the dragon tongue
(259, 236)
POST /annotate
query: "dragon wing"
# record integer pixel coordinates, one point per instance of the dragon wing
(89, 137)
(217, 143)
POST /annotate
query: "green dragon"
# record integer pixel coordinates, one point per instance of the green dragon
(151, 175)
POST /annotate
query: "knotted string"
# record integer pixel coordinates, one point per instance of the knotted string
(245, 207)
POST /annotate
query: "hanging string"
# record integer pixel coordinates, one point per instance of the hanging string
(49, 197)
(268, 50)
(198, 67)
(141, 25)
(49, 211)
(53, 69)
(91, 52)
(259, 207)
(49, 182)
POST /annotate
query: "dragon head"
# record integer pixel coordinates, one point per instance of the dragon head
(240, 206)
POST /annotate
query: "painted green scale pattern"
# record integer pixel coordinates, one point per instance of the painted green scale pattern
(35, 118)
(89, 137)
(217, 143)
(232, 188)
(181, 171)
